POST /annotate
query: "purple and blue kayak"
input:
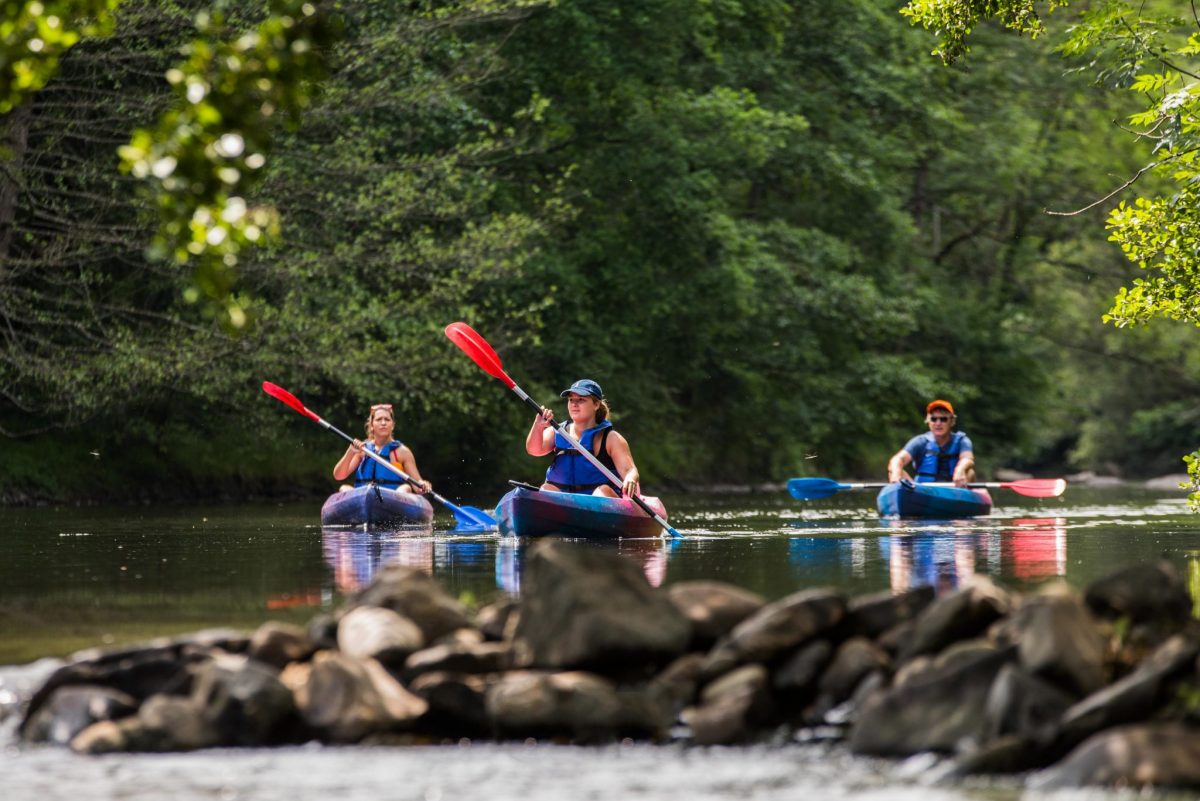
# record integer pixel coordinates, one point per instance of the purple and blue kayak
(375, 506)
(533, 513)
(938, 502)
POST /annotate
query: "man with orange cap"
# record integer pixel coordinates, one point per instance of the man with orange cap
(940, 454)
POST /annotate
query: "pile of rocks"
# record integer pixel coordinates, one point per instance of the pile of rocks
(1098, 689)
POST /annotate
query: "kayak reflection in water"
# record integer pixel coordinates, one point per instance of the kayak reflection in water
(380, 426)
(571, 471)
(941, 454)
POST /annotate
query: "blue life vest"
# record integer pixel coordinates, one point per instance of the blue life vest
(371, 472)
(571, 471)
(937, 464)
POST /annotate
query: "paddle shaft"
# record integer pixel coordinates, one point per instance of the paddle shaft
(972, 485)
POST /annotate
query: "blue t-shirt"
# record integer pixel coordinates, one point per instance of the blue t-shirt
(959, 444)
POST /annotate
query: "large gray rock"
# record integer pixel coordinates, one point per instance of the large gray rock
(72, 708)
(588, 608)
(1134, 698)
(732, 709)
(1142, 592)
(487, 657)
(137, 672)
(777, 629)
(1059, 640)
(456, 701)
(713, 608)
(797, 675)
(871, 615)
(1157, 755)
(1023, 705)
(345, 699)
(939, 710)
(276, 644)
(855, 659)
(498, 619)
(163, 723)
(576, 704)
(372, 632)
(416, 596)
(244, 700)
(959, 616)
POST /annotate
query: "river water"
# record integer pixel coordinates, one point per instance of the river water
(79, 577)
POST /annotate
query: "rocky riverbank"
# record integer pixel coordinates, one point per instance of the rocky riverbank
(1068, 689)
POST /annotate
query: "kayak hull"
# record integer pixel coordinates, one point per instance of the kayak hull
(532, 513)
(375, 506)
(938, 502)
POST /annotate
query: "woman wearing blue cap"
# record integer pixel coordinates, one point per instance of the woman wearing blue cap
(571, 471)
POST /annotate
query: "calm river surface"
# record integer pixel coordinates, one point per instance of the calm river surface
(78, 577)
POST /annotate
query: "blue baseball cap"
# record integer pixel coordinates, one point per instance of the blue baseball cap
(584, 386)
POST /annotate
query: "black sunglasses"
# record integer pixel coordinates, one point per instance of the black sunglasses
(937, 418)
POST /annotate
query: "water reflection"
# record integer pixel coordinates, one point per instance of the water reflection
(653, 554)
(1036, 548)
(941, 554)
(354, 556)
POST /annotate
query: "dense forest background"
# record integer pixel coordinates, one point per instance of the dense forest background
(771, 230)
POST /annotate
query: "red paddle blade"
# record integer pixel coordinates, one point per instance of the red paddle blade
(1038, 487)
(475, 346)
(280, 394)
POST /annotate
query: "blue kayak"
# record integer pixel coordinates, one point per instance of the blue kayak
(535, 513)
(375, 506)
(932, 501)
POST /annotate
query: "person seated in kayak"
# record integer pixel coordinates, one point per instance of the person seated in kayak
(941, 454)
(571, 471)
(380, 425)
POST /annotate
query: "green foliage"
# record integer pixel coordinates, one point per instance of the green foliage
(770, 232)
(953, 20)
(34, 34)
(205, 155)
(1192, 460)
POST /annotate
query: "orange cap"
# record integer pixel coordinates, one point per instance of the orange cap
(942, 403)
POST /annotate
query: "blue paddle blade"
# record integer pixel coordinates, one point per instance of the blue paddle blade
(470, 517)
(809, 489)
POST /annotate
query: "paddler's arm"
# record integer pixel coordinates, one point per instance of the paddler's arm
(897, 464)
(964, 469)
(540, 439)
(618, 449)
(404, 459)
(349, 461)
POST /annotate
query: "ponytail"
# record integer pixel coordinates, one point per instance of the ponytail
(602, 411)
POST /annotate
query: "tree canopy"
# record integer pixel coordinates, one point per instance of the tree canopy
(1149, 49)
(772, 232)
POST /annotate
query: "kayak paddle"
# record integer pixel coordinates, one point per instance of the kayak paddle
(467, 516)
(807, 489)
(475, 346)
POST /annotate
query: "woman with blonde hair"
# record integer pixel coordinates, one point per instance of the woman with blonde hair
(380, 426)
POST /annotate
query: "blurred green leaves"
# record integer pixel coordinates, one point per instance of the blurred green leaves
(207, 153)
(35, 33)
